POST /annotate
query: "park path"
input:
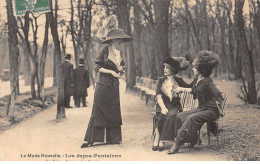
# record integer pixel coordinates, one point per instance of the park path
(42, 138)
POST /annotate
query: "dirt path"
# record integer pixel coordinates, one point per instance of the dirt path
(42, 138)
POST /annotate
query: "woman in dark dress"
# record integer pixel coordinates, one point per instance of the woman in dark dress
(208, 96)
(105, 122)
(168, 104)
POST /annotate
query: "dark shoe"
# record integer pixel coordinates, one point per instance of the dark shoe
(86, 145)
(84, 105)
(154, 148)
(160, 148)
(77, 106)
(193, 144)
(68, 106)
(174, 149)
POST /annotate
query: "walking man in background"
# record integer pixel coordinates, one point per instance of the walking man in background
(67, 69)
(81, 83)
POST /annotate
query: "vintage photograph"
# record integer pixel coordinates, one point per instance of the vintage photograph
(129, 80)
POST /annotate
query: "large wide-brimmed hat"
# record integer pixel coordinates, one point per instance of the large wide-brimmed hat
(116, 34)
(175, 65)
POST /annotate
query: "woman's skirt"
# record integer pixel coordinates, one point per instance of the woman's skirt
(105, 122)
(109, 135)
(166, 125)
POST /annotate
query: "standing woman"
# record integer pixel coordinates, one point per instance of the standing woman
(208, 96)
(168, 104)
(105, 122)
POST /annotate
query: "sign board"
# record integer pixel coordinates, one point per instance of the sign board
(35, 6)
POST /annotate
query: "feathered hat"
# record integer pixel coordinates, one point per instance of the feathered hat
(110, 31)
(207, 58)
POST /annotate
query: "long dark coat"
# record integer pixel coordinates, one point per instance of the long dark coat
(106, 112)
(67, 69)
(81, 82)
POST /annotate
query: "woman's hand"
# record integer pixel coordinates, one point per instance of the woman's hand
(178, 90)
(164, 110)
(115, 74)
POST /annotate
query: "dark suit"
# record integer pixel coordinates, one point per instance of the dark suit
(81, 83)
(67, 69)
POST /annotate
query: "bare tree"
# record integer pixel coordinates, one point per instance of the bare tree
(192, 25)
(248, 64)
(54, 31)
(161, 8)
(13, 57)
(122, 12)
(87, 21)
(64, 34)
(32, 53)
(43, 57)
(137, 38)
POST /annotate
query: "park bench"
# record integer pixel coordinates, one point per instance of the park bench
(145, 87)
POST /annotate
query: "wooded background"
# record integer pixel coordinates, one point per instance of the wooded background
(160, 28)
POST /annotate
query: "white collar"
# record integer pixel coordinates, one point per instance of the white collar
(81, 65)
(67, 60)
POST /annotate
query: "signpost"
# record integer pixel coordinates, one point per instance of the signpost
(35, 6)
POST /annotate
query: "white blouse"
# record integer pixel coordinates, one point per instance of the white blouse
(168, 86)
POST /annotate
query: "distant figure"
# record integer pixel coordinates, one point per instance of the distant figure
(105, 122)
(81, 83)
(67, 69)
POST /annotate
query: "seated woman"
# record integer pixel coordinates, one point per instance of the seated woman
(208, 95)
(168, 104)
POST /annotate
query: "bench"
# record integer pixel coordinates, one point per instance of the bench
(145, 87)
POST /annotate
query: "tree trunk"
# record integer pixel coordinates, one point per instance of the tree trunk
(57, 51)
(230, 41)
(27, 67)
(161, 8)
(192, 25)
(17, 88)
(137, 39)
(54, 69)
(87, 39)
(13, 56)
(43, 57)
(248, 64)
(188, 47)
(205, 34)
(122, 12)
